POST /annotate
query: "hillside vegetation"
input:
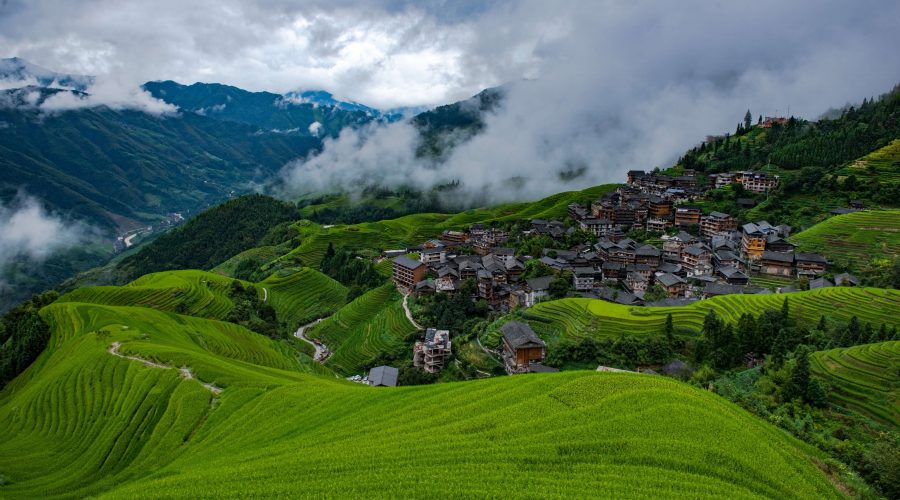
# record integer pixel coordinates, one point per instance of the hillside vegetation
(577, 317)
(249, 420)
(853, 240)
(372, 325)
(413, 229)
(864, 378)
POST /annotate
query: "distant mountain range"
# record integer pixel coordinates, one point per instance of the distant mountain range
(17, 69)
(122, 169)
(118, 169)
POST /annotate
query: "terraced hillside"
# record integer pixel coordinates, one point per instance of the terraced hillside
(413, 229)
(853, 239)
(196, 293)
(586, 317)
(864, 378)
(85, 422)
(302, 295)
(882, 164)
(372, 324)
(298, 295)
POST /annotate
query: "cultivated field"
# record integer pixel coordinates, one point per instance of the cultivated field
(372, 324)
(853, 239)
(84, 422)
(587, 317)
(864, 378)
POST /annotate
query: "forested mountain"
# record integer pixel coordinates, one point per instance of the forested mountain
(115, 168)
(445, 126)
(304, 114)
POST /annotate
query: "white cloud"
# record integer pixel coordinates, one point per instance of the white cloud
(109, 92)
(315, 128)
(27, 230)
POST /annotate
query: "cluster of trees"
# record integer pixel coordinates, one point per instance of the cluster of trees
(457, 313)
(351, 271)
(251, 312)
(624, 351)
(780, 388)
(23, 336)
(827, 143)
(774, 333)
(212, 237)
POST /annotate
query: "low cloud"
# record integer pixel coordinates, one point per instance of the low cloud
(599, 88)
(112, 93)
(28, 231)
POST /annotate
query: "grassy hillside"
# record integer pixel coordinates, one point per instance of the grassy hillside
(359, 332)
(413, 229)
(853, 240)
(297, 295)
(864, 378)
(586, 317)
(84, 422)
(303, 295)
(882, 165)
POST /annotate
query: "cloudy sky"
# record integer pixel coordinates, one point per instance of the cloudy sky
(600, 85)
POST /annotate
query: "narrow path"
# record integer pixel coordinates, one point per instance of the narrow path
(265, 295)
(185, 371)
(409, 314)
(322, 352)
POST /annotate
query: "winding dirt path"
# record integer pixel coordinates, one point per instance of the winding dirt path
(409, 313)
(265, 295)
(184, 371)
(322, 353)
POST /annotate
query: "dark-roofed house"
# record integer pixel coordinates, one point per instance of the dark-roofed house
(777, 263)
(408, 272)
(820, 283)
(810, 264)
(733, 275)
(521, 346)
(716, 289)
(845, 279)
(717, 223)
(687, 216)
(674, 285)
(583, 278)
(383, 376)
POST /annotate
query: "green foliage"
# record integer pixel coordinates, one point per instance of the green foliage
(579, 317)
(866, 241)
(23, 336)
(110, 167)
(622, 352)
(177, 439)
(350, 270)
(211, 237)
(864, 379)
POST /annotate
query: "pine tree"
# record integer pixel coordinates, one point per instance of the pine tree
(797, 386)
(670, 330)
(748, 120)
(854, 331)
(785, 310)
(823, 324)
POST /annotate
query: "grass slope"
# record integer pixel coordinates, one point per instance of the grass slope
(853, 239)
(580, 317)
(82, 422)
(301, 296)
(413, 229)
(864, 378)
(374, 323)
(298, 295)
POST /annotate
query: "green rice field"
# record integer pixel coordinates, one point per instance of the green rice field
(863, 378)
(853, 239)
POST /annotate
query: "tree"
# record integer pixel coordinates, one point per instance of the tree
(748, 120)
(800, 384)
(655, 293)
(670, 329)
(560, 286)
